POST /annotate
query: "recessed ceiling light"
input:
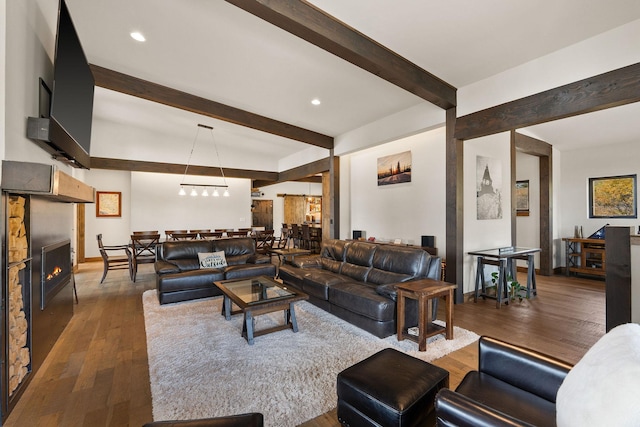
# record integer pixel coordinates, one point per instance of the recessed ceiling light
(138, 36)
(315, 101)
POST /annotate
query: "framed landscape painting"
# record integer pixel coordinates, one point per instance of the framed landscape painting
(394, 169)
(613, 197)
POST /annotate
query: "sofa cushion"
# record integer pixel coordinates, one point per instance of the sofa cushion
(187, 264)
(358, 259)
(249, 270)
(393, 264)
(194, 279)
(363, 299)
(237, 250)
(185, 249)
(603, 387)
(212, 260)
(317, 284)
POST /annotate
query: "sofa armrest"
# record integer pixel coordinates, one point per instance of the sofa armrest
(165, 267)
(455, 409)
(526, 369)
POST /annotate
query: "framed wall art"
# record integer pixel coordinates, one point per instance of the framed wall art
(613, 197)
(488, 185)
(522, 198)
(394, 169)
(108, 204)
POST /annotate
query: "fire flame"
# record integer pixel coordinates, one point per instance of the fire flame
(56, 271)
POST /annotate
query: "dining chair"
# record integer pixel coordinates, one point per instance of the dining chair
(282, 241)
(315, 238)
(169, 233)
(199, 232)
(305, 237)
(145, 232)
(120, 260)
(184, 236)
(264, 241)
(239, 233)
(211, 235)
(295, 235)
(144, 250)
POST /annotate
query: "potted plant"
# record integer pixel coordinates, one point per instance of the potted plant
(514, 288)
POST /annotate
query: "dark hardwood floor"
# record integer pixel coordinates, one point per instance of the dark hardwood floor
(97, 373)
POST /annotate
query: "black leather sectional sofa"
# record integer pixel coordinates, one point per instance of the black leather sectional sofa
(355, 280)
(180, 278)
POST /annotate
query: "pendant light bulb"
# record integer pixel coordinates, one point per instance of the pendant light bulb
(205, 193)
(182, 192)
(193, 192)
(226, 193)
(215, 193)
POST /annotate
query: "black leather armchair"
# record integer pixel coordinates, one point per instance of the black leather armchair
(513, 386)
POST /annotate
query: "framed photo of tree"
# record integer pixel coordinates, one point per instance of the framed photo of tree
(613, 197)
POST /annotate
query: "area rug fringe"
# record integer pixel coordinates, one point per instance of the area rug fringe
(200, 366)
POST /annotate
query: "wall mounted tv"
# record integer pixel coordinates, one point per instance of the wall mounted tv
(66, 133)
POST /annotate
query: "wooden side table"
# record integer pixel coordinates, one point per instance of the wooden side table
(424, 290)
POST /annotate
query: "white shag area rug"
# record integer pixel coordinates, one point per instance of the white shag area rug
(200, 366)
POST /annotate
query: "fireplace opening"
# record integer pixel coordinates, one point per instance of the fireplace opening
(56, 270)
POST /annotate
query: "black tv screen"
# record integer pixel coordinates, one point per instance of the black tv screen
(72, 93)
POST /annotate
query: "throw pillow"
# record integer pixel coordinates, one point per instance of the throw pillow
(602, 389)
(212, 259)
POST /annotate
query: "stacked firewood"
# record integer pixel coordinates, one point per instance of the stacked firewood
(18, 245)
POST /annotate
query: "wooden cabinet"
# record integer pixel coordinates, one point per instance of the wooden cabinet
(585, 256)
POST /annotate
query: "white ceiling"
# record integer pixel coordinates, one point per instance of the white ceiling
(217, 51)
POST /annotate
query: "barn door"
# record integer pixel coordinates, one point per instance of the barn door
(294, 209)
(262, 214)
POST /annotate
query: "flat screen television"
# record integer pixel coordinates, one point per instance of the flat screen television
(71, 108)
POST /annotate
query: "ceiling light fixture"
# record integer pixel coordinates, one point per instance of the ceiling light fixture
(205, 192)
(316, 101)
(138, 36)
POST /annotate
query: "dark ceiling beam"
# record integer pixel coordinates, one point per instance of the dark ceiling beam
(611, 89)
(304, 173)
(119, 82)
(173, 168)
(320, 29)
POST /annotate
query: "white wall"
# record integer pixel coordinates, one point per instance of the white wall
(485, 233)
(580, 165)
(401, 211)
(150, 201)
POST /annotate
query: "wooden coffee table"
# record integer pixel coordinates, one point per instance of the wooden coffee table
(424, 290)
(259, 295)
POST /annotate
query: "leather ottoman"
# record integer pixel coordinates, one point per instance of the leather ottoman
(389, 388)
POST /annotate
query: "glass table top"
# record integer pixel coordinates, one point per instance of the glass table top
(257, 290)
(506, 252)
